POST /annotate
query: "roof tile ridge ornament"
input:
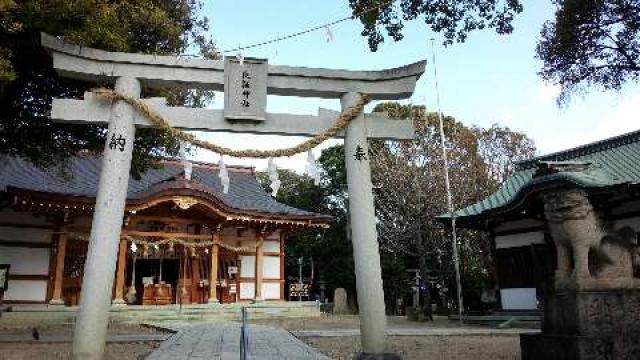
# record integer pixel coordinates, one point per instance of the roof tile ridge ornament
(581, 150)
(544, 168)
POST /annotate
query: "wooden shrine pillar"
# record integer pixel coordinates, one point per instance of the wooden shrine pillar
(61, 246)
(121, 266)
(196, 294)
(259, 266)
(213, 271)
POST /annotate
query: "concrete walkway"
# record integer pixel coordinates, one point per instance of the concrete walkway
(222, 341)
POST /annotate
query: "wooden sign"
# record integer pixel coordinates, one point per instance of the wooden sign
(245, 89)
(298, 290)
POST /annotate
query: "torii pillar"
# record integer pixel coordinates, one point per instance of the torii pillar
(245, 112)
(366, 255)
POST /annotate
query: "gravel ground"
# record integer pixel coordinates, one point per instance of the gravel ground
(351, 322)
(62, 351)
(47, 329)
(428, 347)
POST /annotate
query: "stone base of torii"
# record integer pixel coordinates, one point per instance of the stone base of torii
(130, 72)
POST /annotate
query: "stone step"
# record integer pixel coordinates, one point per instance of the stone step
(171, 312)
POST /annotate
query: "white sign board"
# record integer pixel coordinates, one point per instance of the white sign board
(519, 299)
(245, 89)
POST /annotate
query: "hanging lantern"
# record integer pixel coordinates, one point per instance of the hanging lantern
(145, 251)
(273, 176)
(193, 251)
(134, 248)
(223, 175)
(171, 251)
(311, 168)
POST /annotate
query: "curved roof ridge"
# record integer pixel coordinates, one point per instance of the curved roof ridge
(81, 179)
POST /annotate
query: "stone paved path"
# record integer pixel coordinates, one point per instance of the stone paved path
(222, 341)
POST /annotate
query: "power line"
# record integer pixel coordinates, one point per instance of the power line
(310, 30)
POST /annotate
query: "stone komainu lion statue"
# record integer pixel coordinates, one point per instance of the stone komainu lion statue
(589, 257)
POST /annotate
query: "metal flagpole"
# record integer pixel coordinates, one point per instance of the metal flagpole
(454, 239)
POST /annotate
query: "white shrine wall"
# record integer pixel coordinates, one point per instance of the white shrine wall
(27, 291)
(272, 270)
(25, 244)
(25, 260)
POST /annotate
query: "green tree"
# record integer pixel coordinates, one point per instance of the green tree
(410, 193)
(500, 148)
(454, 18)
(28, 82)
(330, 249)
(588, 43)
(591, 43)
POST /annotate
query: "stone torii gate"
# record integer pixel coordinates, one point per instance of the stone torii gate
(246, 85)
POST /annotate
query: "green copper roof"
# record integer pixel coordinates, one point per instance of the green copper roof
(606, 163)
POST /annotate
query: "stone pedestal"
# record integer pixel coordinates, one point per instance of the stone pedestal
(587, 325)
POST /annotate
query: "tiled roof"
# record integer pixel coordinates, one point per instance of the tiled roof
(614, 161)
(83, 173)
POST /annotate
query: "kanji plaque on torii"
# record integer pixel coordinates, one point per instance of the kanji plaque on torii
(245, 89)
(244, 113)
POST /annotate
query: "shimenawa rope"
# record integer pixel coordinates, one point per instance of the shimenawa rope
(194, 244)
(160, 122)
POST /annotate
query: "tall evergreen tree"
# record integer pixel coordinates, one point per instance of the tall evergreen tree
(28, 82)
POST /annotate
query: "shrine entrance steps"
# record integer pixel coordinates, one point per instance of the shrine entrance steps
(170, 313)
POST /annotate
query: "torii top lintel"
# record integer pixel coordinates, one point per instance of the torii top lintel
(89, 64)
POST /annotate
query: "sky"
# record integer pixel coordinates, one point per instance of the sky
(488, 79)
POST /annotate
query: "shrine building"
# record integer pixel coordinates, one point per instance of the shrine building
(524, 252)
(184, 239)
